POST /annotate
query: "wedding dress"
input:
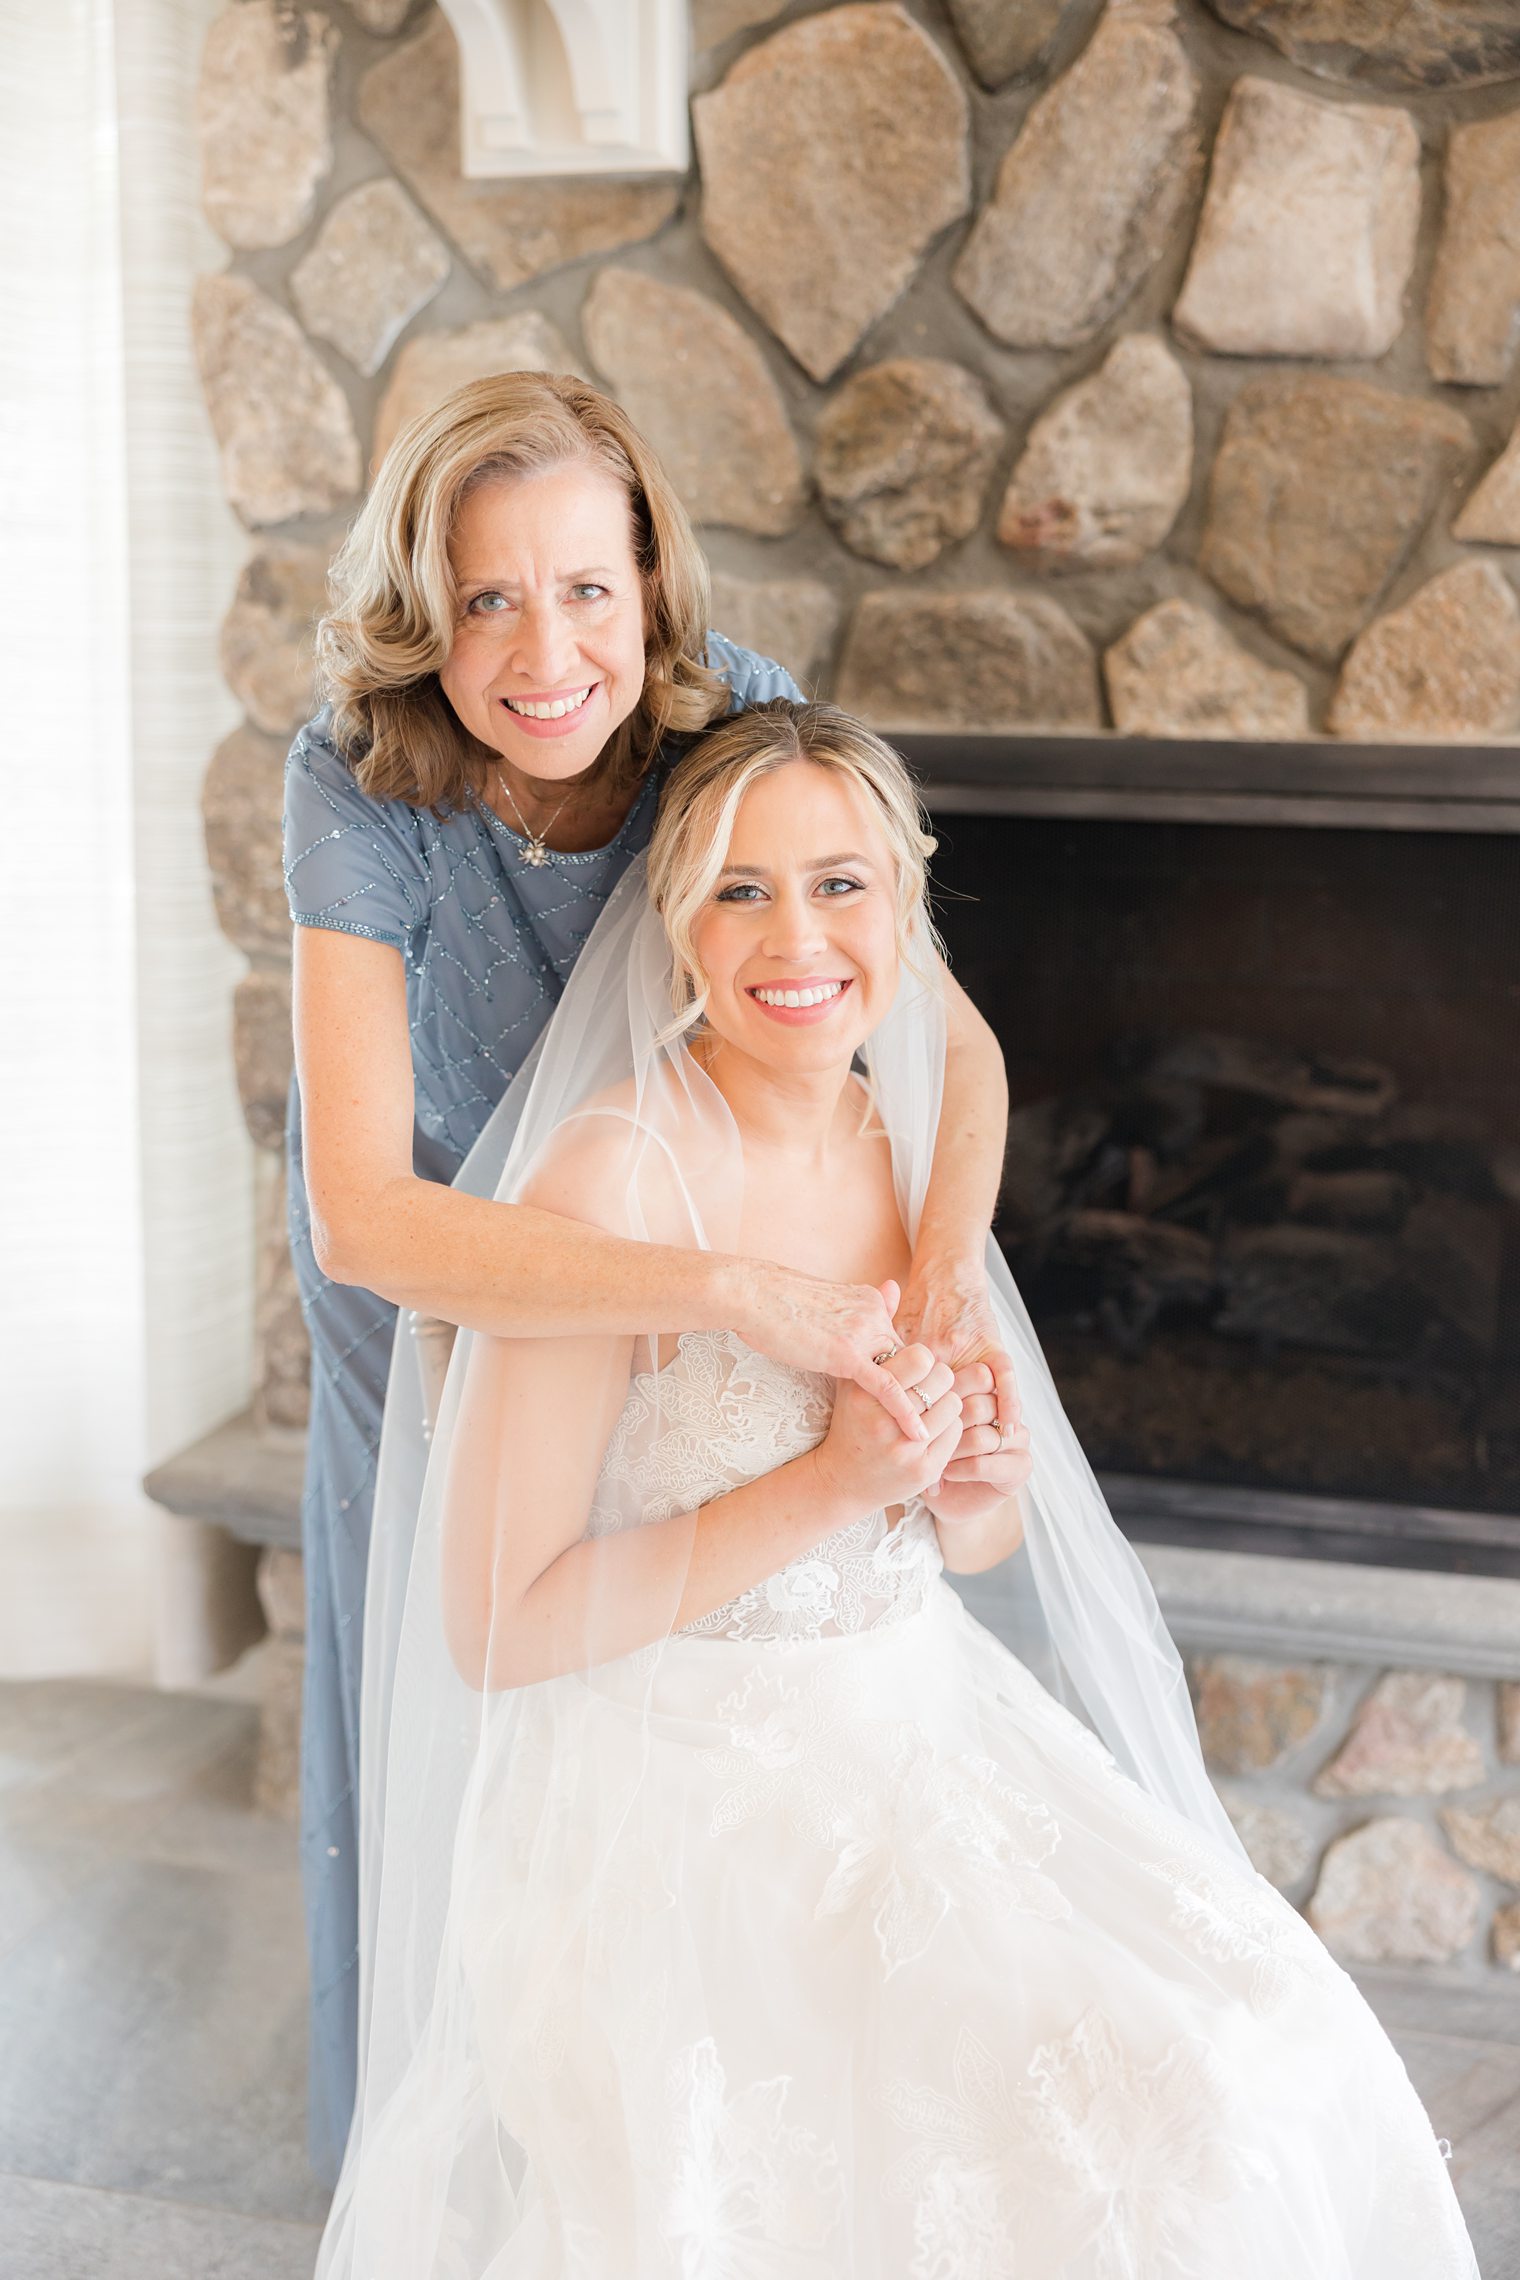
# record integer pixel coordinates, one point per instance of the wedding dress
(818, 1939)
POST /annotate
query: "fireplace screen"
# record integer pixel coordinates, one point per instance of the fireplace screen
(1262, 1190)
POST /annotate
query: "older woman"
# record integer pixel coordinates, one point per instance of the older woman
(516, 652)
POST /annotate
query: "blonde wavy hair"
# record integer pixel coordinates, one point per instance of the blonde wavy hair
(695, 826)
(390, 626)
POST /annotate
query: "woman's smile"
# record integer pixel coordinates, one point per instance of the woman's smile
(557, 713)
(799, 1004)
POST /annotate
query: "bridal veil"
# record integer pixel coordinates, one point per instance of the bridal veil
(470, 1781)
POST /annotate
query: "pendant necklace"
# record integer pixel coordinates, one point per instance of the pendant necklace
(535, 853)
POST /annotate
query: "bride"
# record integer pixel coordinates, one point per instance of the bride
(735, 1907)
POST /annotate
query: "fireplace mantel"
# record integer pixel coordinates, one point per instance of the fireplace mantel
(1313, 782)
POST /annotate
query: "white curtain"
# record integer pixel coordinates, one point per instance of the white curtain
(126, 1177)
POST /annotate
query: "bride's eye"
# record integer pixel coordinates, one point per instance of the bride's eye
(742, 890)
(839, 884)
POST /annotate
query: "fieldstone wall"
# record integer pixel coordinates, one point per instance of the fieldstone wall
(1386, 1805)
(1145, 364)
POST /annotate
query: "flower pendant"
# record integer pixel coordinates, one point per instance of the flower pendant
(536, 853)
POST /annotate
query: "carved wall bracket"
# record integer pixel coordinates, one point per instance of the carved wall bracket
(571, 86)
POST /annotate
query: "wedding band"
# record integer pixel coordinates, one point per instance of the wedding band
(924, 1403)
(885, 1355)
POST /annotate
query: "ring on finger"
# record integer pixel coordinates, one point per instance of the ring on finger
(885, 1355)
(924, 1402)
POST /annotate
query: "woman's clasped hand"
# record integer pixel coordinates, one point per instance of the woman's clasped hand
(865, 1459)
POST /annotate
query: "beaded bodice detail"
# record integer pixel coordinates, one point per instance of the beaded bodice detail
(718, 1415)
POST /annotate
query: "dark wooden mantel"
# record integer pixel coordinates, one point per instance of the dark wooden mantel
(1355, 787)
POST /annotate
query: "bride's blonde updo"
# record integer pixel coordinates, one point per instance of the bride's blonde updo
(701, 799)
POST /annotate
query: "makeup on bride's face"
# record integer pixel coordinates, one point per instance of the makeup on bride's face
(548, 655)
(798, 939)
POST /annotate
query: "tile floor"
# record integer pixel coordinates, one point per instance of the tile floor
(151, 2022)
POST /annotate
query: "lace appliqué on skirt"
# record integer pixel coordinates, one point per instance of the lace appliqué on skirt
(750, 2193)
(938, 1834)
(1105, 2158)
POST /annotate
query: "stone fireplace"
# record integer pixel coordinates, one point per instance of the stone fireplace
(1263, 1181)
(1136, 437)
(1262, 1195)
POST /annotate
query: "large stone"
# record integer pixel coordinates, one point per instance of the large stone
(1319, 490)
(1472, 317)
(1506, 1935)
(1308, 230)
(1106, 468)
(792, 620)
(267, 633)
(903, 456)
(282, 1396)
(1005, 39)
(282, 1353)
(1487, 1836)
(1492, 515)
(975, 660)
(1509, 1722)
(1407, 1740)
(373, 264)
(1387, 1893)
(1086, 198)
(699, 389)
(1177, 672)
(262, 1051)
(1389, 43)
(1445, 666)
(282, 1591)
(286, 434)
(1280, 1847)
(832, 155)
(261, 114)
(715, 20)
(434, 364)
(241, 802)
(277, 1767)
(1252, 1715)
(409, 103)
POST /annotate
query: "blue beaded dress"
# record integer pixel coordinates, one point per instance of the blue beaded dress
(488, 942)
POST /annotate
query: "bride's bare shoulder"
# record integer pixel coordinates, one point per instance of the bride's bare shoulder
(622, 1161)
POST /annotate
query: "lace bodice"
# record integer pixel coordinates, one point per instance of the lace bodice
(719, 1414)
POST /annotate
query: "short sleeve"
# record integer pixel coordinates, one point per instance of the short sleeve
(353, 865)
(752, 680)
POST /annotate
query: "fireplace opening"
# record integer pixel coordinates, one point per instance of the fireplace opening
(1262, 1191)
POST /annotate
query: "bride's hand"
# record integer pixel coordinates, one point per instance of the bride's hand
(864, 1461)
(837, 1330)
(992, 1459)
(946, 1306)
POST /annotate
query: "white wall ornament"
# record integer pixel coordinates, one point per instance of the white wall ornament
(565, 87)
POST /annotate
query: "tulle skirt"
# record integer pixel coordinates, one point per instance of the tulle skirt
(859, 1960)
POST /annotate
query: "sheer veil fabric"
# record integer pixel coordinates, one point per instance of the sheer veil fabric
(822, 1936)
